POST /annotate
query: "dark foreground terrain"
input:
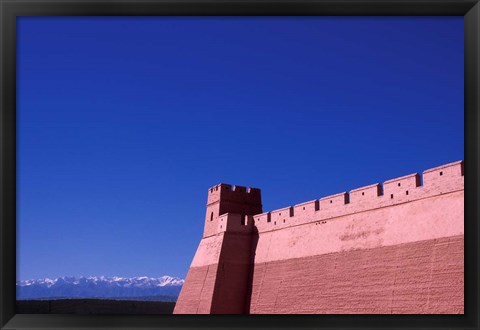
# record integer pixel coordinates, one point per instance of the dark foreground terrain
(93, 306)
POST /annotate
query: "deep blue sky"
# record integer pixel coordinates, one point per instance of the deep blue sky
(124, 123)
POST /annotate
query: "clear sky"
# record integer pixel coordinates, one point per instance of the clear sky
(125, 122)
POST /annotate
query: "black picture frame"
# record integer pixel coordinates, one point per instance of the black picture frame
(10, 9)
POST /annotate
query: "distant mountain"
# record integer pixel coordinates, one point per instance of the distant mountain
(100, 287)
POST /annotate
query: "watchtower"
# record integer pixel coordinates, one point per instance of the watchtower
(222, 199)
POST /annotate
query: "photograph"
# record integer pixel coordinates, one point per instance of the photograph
(240, 165)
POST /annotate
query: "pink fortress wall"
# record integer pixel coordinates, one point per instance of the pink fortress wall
(391, 248)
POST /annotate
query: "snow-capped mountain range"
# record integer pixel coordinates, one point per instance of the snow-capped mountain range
(99, 287)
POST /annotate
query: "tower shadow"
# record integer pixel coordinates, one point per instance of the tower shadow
(248, 298)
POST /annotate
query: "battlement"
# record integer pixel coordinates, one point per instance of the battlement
(227, 192)
(239, 201)
(439, 180)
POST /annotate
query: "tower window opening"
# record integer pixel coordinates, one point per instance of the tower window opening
(331, 202)
(406, 192)
(391, 196)
(399, 184)
(441, 173)
(363, 194)
(211, 216)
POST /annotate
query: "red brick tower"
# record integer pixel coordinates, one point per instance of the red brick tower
(218, 280)
(223, 199)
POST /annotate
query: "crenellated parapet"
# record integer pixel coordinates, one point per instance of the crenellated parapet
(227, 202)
(235, 194)
(432, 182)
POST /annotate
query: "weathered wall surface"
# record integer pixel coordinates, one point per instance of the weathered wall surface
(218, 280)
(391, 248)
(196, 296)
(420, 220)
(412, 278)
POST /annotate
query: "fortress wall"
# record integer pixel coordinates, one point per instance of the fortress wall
(411, 278)
(395, 247)
(395, 255)
(420, 220)
(439, 180)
